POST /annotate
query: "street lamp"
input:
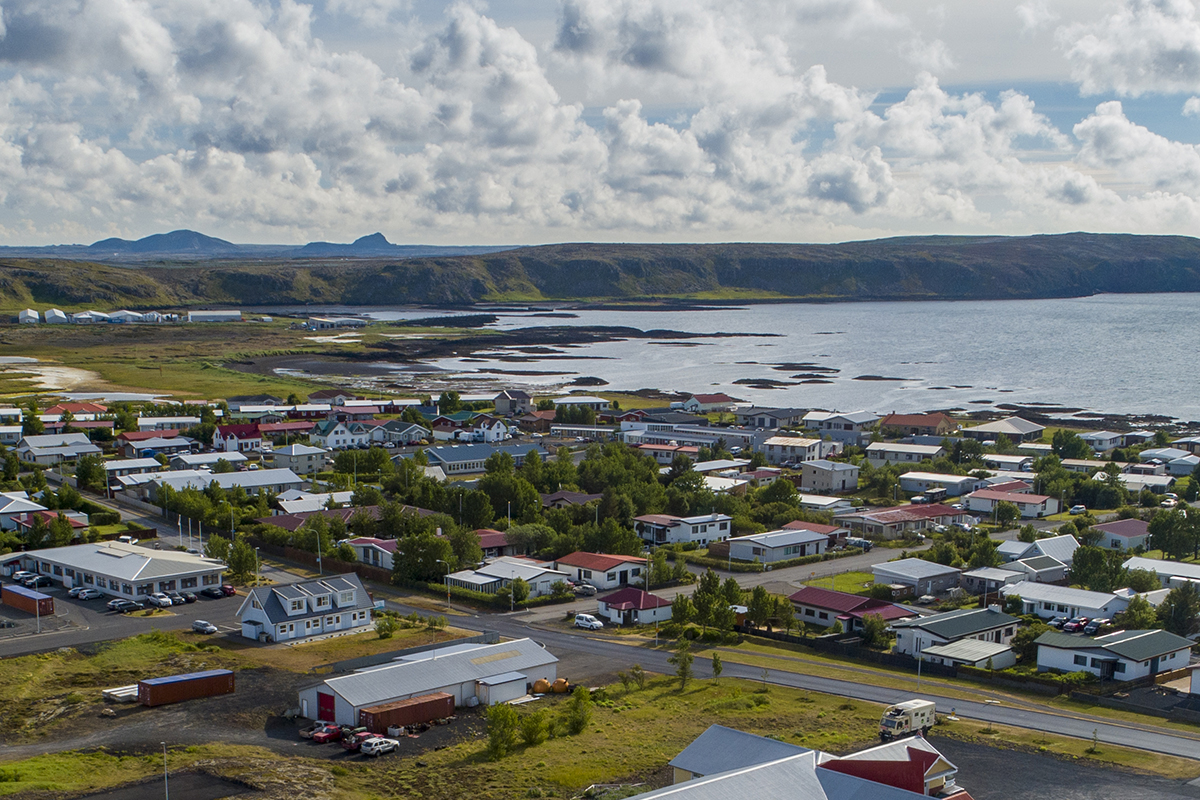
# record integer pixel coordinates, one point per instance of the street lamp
(257, 567)
(447, 563)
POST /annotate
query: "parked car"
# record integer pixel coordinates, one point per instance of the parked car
(22, 574)
(74, 591)
(212, 591)
(1079, 509)
(37, 582)
(308, 730)
(926, 599)
(116, 601)
(160, 600)
(354, 742)
(1058, 622)
(90, 594)
(330, 733)
(228, 590)
(126, 606)
(1169, 503)
(585, 590)
(1093, 627)
(378, 746)
(176, 598)
(588, 622)
(1075, 624)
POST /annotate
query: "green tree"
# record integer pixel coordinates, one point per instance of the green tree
(683, 610)
(89, 472)
(217, 547)
(1027, 534)
(1142, 580)
(1006, 514)
(31, 422)
(449, 403)
(785, 612)
(242, 558)
(61, 532)
(731, 592)
(1023, 641)
(874, 631)
(502, 727)
(1169, 533)
(37, 534)
(520, 590)
(1068, 444)
(781, 490)
(760, 607)
(658, 571)
(1179, 610)
(386, 626)
(717, 667)
(534, 728)
(223, 467)
(12, 466)
(579, 710)
(682, 661)
(1139, 615)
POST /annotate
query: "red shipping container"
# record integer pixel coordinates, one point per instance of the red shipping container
(27, 600)
(177, 688)
(426, 708)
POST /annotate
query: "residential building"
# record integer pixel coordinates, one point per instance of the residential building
(779, 545)
(836, 533)
(1049, 601)
(10, 434)
(1016, 429)
(1061, 547)
(177, 423)
(1040, 569)
(297, 501)
(894, 522)
(334, 396)
(301, 459)
(471, 673)
(828, 477)
(1163, 454)
(1188, 443)
(770, 418)
(918, 576)
(50, 449)
(374, 552)
(399, 432)
(1030, 506)
(983, 624)
(564, 499)
(269, 481)
(466, 458)
(306, 609)
(130, 466)
(791, 449)
(1103, 441)
(537, 421)
(708, 403)
(1135, 483)
(602, 570)
(1121, 656)
(237, 438)
(121, 570)
(880, 453)
(1170, 573)
(657, 529)
(987, 580)
(955, 485)
(663, 453)
(513, 402)
(501, 572)
(1123, 534)
(13, 506)
(720, 749)
(335, 435)
(823, 607)
(633, 606)
(495, 544)
(1015, 463)
(582, 401)
(843, 428)
(971, 653)
(937, 424)
(155, 445)
(185, 460)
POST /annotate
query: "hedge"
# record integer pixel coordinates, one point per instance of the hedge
(755, 566)
(104, 518)
(500, 601)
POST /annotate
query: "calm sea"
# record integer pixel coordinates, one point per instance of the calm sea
(1121, 354)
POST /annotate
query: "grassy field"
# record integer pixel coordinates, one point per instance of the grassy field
(852, 582)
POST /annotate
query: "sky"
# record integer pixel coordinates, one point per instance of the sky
(534, 121)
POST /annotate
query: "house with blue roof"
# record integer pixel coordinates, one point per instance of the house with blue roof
(306, 609)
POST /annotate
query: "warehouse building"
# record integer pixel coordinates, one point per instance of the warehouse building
(488, 674)
(121, 570)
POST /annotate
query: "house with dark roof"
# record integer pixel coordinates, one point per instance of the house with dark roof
(823, 607)
(306, 609)
(602, 570)
(373, 551)
(494, 544)
(894, 522)
(983, 624)
(512, 402)
(334, 396)
(1123, 534)
(243, 438)
(563, 498)
(465, 458)
(768, 418)
(1122, 656)
(399, 432)
(634, 606)
(936, 424)
(658, 529)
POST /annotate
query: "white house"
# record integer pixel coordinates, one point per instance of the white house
(1123, 534)
(778, 545)
(1014, 463)
(844, 428)
(334, 435)
(375, 552)
(121, 570)
(14, 505)
(983, 624)
(10, 434)
(495, 575)
(268, 481)
(828, 477)
(633, 606)
(668, 529)
(55, 316)
(1103, 441)
(779, 449)
(582, 401)
(245, 438)
(955, 485)
(1016, 429)
(205, 460)
(880, 453)
(306, 609)
(1049, 601)
(602, 570)
(29, 316)
(922, 577)
(708, 403)
(1121, 656)
(1030, 506)
(52, 448)
(1169, 573)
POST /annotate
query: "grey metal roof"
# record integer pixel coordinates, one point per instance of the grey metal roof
(455, 454)
(966, 650)
(1047, 592)
(720, 749)
(127, 562)
(1061, 547)
(1164, 568)
(960, 623)
(793, 777)
(1014, 548)
(407, 678)
(63, 440)
(502, 678)
(197, 459)
(268, 598)
(782, 538)
(915, 568)
(1042, 562)
(131, 463)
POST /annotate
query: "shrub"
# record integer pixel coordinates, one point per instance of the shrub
(104, 518)
(534, 729)
(579, 711)
(502, 724)
(386, 626)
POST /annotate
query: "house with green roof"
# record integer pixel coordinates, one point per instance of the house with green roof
(1122, 656)
(982, 624)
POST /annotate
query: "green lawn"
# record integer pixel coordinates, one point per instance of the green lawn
(852, 582)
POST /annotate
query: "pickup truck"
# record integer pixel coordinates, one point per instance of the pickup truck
(355, 742)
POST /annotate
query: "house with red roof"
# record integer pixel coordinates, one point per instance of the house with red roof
(1031, 506)
(376, 552)
(836, 533)
(495, 544)
(1123, 534)
(823, 607)
(911, 764)
(937, 424)
(244, 438)
(707, 403)
(82, 411)
(140, 436)
(601, 570)
(633, 606)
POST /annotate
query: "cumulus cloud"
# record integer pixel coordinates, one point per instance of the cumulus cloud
(1035, 15)
(235, 116)
(1142, 46)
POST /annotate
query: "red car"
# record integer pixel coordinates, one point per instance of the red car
(308, 730)
(330, 733)
(354, 743)
(228, 590)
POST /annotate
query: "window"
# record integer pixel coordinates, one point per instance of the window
(1119, 666)
(1081, 661)
(187, 583)
(808, 612)
(823, 615)
(58, 570)
(209, 580)
(297, 605)
(254, 602)
(612, 576)
(126, 588)
(88, 578)
(346, 598)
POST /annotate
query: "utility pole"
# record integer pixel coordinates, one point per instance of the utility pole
(166, 782)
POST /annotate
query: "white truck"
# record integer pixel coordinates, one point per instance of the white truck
(906, 719)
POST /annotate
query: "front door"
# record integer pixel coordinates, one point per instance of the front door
(325, 707)
(624, 577)
(1154, 665)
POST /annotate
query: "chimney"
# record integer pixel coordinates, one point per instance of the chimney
(994, 607)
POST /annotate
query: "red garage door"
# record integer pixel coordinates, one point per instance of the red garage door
(325, 709)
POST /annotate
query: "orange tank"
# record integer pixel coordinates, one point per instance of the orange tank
(541, 686)
(560, 686)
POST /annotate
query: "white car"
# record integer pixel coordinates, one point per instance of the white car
(74, 591)
(588, 622)
(1078, 509)
(160, 600)
(90, 594)
(378, 746)
(22, 574)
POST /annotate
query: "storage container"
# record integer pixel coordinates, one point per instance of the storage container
(412, 711)
(177, 688)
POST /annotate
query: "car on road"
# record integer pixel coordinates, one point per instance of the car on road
(90, 594)
(160, 600)
(1058, 622)
(330, 733)
(127, 606)
(1078, 509)
(1093, 627)
(201, 626)
(212, 591)
(378, 746)
(926, 599)
(585, 590)
(588, 622)
(1169, 503)
(1075, 624)
(228, 590)
(116, 601)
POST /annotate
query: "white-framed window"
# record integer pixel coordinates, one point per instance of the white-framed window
(297, 605)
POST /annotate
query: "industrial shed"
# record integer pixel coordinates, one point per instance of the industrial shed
(486, 674)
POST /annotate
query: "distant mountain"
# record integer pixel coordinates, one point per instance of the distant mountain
(909, 268)
(175, 242)
(377, 245)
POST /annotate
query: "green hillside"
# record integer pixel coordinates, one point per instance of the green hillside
(911, 268)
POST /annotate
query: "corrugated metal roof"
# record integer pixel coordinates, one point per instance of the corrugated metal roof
(502, 678)
(913, 568)
(960, 623)
(966, 650)
(125, 561)
(421, 677)
(720, 749)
